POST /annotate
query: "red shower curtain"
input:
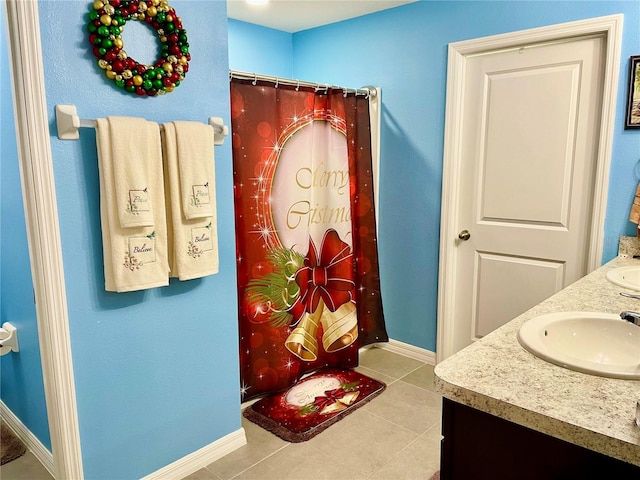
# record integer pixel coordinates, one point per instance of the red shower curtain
(308, 279)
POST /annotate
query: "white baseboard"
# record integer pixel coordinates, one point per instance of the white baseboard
(44, 456)
(407, 350)
(200, 458)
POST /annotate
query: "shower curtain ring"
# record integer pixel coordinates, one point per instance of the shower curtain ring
(297, 85)
(255, 79)
(345, 92)
(277, 82)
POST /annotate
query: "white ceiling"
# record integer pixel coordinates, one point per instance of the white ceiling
(295, 15)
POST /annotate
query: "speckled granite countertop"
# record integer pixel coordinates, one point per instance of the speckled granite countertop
(496, 375)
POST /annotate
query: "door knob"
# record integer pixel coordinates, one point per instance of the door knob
(464, 235)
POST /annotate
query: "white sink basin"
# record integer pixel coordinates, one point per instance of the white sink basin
(596, 343)
(627, 277)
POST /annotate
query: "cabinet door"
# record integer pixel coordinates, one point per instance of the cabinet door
(479, 446)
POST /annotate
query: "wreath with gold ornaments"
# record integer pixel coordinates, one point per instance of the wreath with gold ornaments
(107, 19)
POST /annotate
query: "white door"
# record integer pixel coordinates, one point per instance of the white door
(528, 153)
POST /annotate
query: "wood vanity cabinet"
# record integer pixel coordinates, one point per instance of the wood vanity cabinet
(477, 445)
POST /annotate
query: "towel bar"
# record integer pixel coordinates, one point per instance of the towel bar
(68, 124)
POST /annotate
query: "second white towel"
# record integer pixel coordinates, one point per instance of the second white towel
(196, 169)
(191, 199)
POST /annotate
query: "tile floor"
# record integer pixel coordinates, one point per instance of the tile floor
(396, 436)
(26, 467)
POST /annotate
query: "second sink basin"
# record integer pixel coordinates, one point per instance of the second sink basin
(627, 277)
(596, 343)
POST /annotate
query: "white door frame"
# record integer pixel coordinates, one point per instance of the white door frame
(611, 28)
(43, 234)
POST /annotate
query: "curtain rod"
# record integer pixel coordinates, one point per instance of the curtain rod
(368, 91)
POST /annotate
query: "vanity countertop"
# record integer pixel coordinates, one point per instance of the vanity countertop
(496, 375)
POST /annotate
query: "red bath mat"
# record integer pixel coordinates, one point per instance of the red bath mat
(313, 404)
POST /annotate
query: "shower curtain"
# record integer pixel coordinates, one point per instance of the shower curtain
(308, 279)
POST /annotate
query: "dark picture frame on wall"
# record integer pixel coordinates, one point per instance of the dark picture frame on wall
(632, 119)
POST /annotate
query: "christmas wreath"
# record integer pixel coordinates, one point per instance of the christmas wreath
(107, 19)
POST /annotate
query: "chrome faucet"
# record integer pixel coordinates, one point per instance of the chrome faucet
(629, 316)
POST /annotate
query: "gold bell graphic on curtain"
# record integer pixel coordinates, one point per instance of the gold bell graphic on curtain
(302, 340)
(340, 328)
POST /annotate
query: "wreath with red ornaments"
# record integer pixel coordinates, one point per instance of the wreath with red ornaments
(107, 19)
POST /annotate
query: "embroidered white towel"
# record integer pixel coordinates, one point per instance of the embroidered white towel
(129, 148)
(135, 258)
(193, 243)
(196, 168)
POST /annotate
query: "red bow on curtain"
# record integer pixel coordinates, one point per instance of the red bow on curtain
(327, 277)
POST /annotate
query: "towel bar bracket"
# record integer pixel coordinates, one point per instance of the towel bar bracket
(68, 123)
(220, 130)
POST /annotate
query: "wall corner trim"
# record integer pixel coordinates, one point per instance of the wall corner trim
(43, 234)
(200, 458)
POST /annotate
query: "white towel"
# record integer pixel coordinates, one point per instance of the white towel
(196, 169)
(129, 148)
(193, 244)
(135, 258)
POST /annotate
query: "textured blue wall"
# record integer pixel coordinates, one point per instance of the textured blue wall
(156, 371)
(404, 51)
(21, 386)
(257, 49)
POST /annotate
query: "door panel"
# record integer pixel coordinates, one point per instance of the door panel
(517, 165)
(501, 282)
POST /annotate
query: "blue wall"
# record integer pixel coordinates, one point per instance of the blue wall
(404, 51)
(21, 386)
(156, 371)
(260, 49)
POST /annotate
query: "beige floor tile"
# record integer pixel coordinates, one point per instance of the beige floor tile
(301, 461)
(411, 407)
(26, 467)
(423, 377)
(386, 379)
(388, 363)
(363, 441)
(419, 461)
(260, 444)
(431, 441)
(202, 474)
